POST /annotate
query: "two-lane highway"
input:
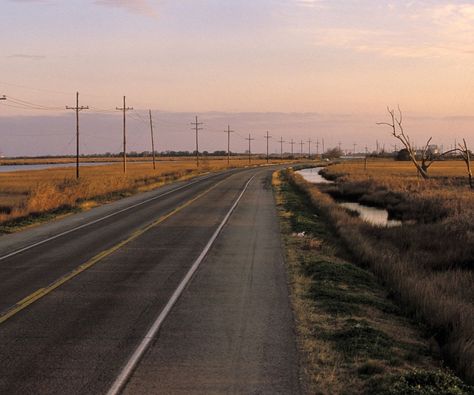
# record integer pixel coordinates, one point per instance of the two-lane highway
(231, 330)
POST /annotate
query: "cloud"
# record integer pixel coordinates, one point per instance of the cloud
(135, 6)
(310, 3)
(27, 56)
(443, 30)
(404, 29)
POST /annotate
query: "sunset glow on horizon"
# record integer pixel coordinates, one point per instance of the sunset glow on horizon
(338, 59)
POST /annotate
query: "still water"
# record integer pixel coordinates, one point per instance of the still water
(312, 175)
(9, 168)
(372, 215)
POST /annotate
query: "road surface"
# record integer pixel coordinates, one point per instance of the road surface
(177, 291)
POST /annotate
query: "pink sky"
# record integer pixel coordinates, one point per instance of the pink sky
(330, 67)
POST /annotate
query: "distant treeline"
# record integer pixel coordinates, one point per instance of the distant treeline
(133, 154)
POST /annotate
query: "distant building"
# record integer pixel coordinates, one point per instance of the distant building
(433, 150)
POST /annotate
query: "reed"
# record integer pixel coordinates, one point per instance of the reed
(428, 265)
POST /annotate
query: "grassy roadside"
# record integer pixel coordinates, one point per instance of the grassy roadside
(353, 338)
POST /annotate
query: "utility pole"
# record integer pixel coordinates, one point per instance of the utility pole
(197, 128)
(292, 144)
(77, 109)
(301, 148)
(339, 144)
(317, 147)
(267, 137)
(124, 109)
(250, 147)
(309, 148)
(281, 148)
(354, 151)
(323, 146)
(152, 140)
(228, 131)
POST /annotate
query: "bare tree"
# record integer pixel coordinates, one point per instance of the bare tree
(466, 156)
(398, 132)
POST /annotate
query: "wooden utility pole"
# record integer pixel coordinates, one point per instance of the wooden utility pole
(301, 148)
(196, 127)
(228, 131)
(354, 151)
(309, 148)
(281, 148)
(250, 147)
(267, 137)
(317, 147)
(152, 140)
(323, 147)
(292, 144)
(124, 109)
(77, 109)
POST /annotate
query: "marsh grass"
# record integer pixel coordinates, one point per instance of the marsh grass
(427, 266)
(349, 331)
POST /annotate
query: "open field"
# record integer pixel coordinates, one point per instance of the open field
(33, 193)
(353, 338)
(387, 168)
(428, 263)
(92, 159)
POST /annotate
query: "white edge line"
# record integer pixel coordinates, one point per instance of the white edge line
(102, 218)
(128, 369)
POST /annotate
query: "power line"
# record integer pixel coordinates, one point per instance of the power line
(77, 109)
(228, 131)
(124, 109)
(29, 104)
(196, 126)
(281, 147)
(250, 147)
(268, 137)
(152, 140)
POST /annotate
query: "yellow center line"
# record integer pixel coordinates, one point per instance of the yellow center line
(38, 294)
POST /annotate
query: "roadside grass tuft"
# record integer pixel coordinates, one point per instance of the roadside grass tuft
(358, 339)
(419, 382)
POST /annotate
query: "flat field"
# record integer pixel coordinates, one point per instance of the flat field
(26, 193)
(386, 168)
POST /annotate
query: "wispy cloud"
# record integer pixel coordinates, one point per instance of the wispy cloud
(135, 6)
(27, 56)
(441, 30)
(310, 3)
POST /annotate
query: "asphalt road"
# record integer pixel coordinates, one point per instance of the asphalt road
(68, 330)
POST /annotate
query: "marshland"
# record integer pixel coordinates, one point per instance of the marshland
(427, 264)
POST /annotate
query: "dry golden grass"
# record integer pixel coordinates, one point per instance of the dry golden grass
(59, 160)
(34, 192)
(429, 265)
(387, 168)
(330, 295)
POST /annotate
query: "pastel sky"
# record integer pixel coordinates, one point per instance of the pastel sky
(327, 67)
